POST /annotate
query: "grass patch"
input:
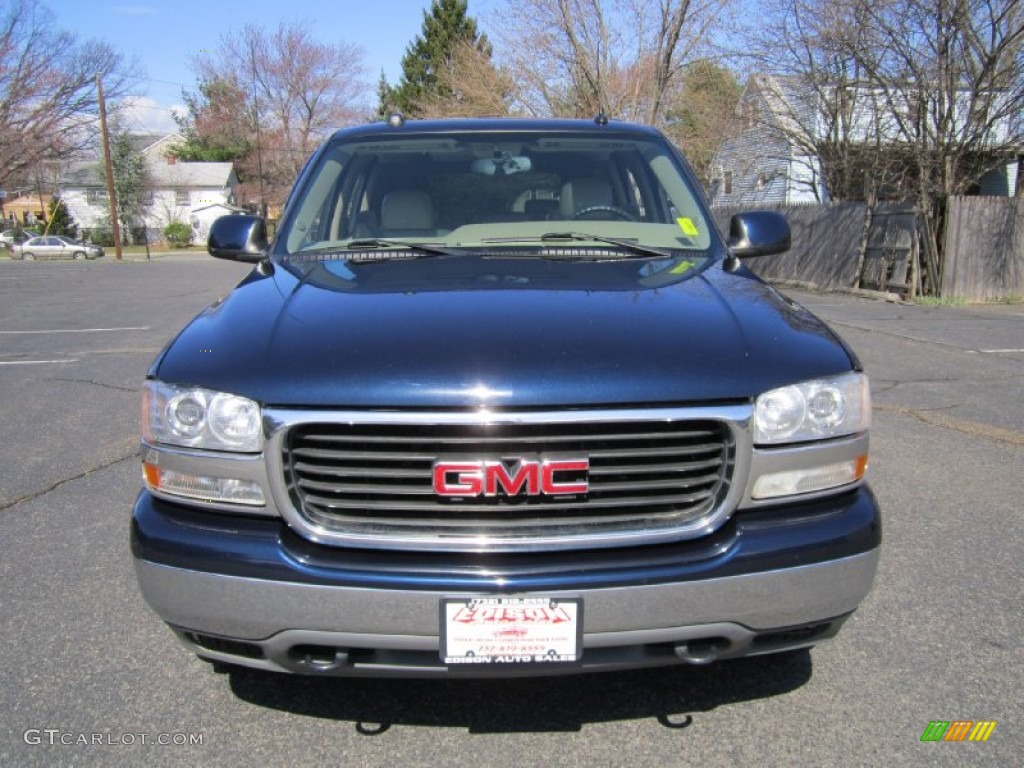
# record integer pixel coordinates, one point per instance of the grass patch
(940, 301)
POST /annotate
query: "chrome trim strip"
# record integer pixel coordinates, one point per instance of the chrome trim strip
(736, 419)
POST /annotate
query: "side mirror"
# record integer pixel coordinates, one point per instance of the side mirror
(758, 233)
(238, 237)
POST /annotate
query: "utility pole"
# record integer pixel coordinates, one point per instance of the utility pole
(256, 115)
(110, 169)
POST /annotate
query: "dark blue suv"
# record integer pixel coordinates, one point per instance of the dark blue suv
(498, 399)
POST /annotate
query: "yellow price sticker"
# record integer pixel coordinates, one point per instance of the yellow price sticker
(688, 227)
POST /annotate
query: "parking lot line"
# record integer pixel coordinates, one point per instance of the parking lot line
(78, 330)
(37, 362)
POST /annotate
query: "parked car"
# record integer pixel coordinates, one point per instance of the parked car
(57, 247)
(11, 237)
(495, 375)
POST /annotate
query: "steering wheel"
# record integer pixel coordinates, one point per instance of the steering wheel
(622, 213)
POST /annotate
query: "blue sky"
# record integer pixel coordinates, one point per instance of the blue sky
(163, 35)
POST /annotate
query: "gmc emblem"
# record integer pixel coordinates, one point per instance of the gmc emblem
(534, 477)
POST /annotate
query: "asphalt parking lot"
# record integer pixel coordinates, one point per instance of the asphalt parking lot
(89, 676)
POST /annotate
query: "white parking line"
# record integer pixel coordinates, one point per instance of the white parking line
(78, 330)
(1002, 351)
(36, 362)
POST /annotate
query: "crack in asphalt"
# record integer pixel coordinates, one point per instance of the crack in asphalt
(908, 337)
(4, 505)
(936, 418)
(114, 387)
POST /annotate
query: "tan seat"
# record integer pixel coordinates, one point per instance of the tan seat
(407, 213)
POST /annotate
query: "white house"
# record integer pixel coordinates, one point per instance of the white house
(201, 218)
(766, 158)
(178, 189)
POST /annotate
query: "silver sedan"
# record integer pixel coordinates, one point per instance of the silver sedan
(57, 247)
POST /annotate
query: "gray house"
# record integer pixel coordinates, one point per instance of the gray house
(759, 161)
(768, 155)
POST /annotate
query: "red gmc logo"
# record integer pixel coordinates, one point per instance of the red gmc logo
(550, 477)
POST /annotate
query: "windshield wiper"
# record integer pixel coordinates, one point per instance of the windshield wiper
(576, 237)
(374, 244)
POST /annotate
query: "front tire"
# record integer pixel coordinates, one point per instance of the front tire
(79, 256)
(28, 257)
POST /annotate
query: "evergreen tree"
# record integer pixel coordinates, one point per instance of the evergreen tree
(132, 183)
(697, 115)
(444, 27)
(60, 221)
(385, 97)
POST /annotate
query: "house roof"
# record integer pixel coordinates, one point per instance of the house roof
(163, 174)
(156, 145)
(191, 174)
(155, 148)
(789, 101)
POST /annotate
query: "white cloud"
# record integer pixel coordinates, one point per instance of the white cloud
(144, 115)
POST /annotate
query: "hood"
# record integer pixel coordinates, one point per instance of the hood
(501, 332)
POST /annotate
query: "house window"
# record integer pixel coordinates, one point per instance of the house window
(181, 197)
(727, 183)
(95, 195)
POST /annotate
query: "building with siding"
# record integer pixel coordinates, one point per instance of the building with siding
(178, 190)
(767, 156)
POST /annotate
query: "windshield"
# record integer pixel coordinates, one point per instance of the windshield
(496, 193)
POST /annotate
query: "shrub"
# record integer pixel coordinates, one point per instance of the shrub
(178, 234)
(103, 236)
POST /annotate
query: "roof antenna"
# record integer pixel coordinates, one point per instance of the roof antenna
(601, 118)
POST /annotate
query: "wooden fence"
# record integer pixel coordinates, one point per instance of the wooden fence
(826, 241)
(984, 248)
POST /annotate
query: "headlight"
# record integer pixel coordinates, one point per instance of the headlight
(200, 418)
(813, 410)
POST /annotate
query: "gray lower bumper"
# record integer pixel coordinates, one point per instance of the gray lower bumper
(272, 624)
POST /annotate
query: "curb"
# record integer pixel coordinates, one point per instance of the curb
(863, 293)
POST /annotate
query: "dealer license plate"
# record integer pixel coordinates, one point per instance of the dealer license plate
(511, 630)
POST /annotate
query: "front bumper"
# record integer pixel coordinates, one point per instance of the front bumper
(249, 591)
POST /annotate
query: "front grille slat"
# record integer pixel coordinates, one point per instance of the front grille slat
(688, 466)
(325, 502)
(497, 439)
(344, 489)
(374, 481)
(304, 468)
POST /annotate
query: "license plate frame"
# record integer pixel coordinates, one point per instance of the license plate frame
(510, 630)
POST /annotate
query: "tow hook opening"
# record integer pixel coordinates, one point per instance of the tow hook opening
(319, 658)
(702, 651)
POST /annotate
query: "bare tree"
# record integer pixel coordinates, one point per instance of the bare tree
(48, 89)
(817, 98)
(921, 97)
(621, 57)
(299, 91)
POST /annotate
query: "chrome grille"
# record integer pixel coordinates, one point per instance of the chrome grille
(371, 484)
